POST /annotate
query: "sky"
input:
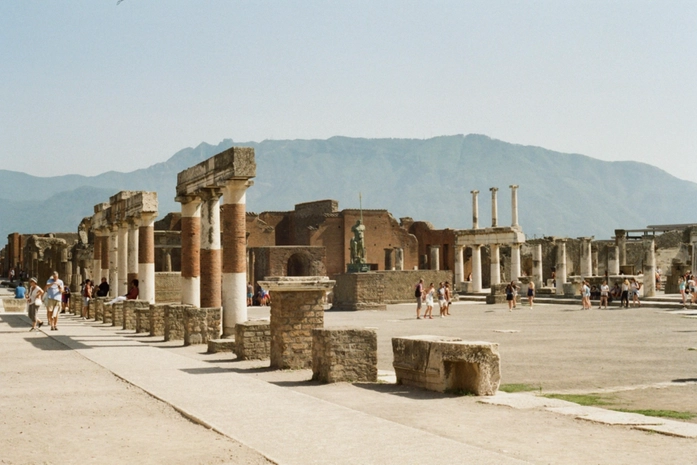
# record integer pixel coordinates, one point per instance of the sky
(91, 86)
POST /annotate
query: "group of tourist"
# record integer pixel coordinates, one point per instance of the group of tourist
(53, 296)
(427, 296)
(686, 285)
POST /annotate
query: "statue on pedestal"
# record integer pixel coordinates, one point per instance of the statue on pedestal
(358, 244)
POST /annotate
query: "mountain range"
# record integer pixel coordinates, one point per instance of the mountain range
(560, 194)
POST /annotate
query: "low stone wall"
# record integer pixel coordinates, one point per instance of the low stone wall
(92, 309)
(201, 325)
(99, 307)
(344, 354)
(442, 364)
(174, 321)
(221, 345)
(15, 305)
(374, 290)
(253, 340)
(116, 314)
(157, 319)
(143, 320)
(108, 315)
(129, 312)
(168, 287)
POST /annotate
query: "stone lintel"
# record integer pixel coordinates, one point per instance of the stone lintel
(488, 236)
(300, 283)
(234, 163)
(142, 202)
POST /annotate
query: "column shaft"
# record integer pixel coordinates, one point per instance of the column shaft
(475, 209)
(113, 261)
(435, 257)
(105, 262)
(211, 255)
(146, 257)
(122, 266)
(132, 272)
(459, 267)
(515, 262)
(649, 267)
(537, 275)
(191, 252)
(495, 264)
(561, 267)
(476, 268)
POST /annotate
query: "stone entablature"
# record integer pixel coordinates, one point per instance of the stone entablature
(344, 354)
(439, 363)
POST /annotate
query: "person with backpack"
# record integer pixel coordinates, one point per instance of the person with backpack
(418, 293)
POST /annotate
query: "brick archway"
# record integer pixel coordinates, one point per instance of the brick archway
(299, 264)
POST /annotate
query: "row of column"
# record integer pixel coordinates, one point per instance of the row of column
(126, 251)
(494, 207)
(213, 271)
(495, 269)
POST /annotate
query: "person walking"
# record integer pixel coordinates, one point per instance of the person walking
(681, 287)
(509, 295)
(585, 296)
(604, 294)
(635, 286)
(54, 292)
(250, 294)
(441, 299)
(429, 301)
(34, 302)
(448, 298)
(65, 298)
(419, 294)
(531, 293)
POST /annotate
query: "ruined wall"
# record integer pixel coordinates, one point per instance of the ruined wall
(286, 261)
(167, 287)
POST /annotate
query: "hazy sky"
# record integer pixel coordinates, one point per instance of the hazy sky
(91, 86)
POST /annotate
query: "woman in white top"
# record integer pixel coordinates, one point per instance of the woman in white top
(429, 302)
(604, 293)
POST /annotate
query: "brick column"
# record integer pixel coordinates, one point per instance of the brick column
(234, 255)
(191, 250)
(122, 265)
(113, 260)
(132, 258)
(477, 268)
(146, 257)
(495, 264)
(211, 255)
(104, 238)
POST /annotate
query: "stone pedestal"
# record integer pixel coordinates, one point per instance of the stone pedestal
(174, 322)
(359, 291)
(157, 319)
(15, 305)
(143, 320)
(116, 314)
(443, 364)
(201, 325)
(344, 354)
(296, 309)
(253, 340)
(108, 313)
(130, 307)
(99, 308)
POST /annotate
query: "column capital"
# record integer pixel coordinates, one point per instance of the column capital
(493, 189)
(209, 193)
(188, 198)
(514, 186)
(475, 192)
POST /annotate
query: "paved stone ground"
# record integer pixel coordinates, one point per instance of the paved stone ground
(641, 354)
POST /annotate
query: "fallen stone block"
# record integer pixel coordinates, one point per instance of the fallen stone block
(344, 354)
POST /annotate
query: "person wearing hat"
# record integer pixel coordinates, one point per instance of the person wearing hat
(34, 302)
(54, 290)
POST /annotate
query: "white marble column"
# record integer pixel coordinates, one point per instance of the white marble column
(475, 209)
(459, 267)
(146, 257)
(586, 259)
(234, 255)
(106, 247)
(514, 205)
(191, 251)
(495, 264)
(561, 267)
(613, 262)
(649, 267)
(476, 268)
(494, 208)
(537, 275)
(122, 264)
(434, 251)
(132, 271)
(515, 262)
(399, 258)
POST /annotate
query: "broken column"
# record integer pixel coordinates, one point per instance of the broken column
(649, 267)
(621, 241)
(475, 209)
(477, 268)
(399, 258)
(389, 253)
(537, 265)
(514, 205)
(586, 258)
(515, 262)
(613, 262)
(459, 266)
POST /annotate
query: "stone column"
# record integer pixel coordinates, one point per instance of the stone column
(515, 262)
(97, 257)
(459, 267)
(389, 254)
(105, 261)
(621, 241)
(494, 208)
(477, 268)
(561, 267)
(399, 258)
(122, 264)
(594, 261)
(146, 257)
(586, 259)
(167, 251)
(613, 262)
(495, 264)
(113, 260)
(514, 206)
(693, 241)
(211, 255)
(69, 273)
(234, 255)
(132, 271)
(537, 275)
(191, 250)
(649, 267)
(434, 251)
(475, 209)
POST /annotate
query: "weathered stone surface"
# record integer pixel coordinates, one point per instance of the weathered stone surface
(168, 287)
(442, 364)
(497, 294)
(174, 321)
(116, 314)
(129, 312)
(221, 345)
(157, 319)
(344, 354)
(234, 163)
(253, 340)
(201, 325)
(143, 320)
(15, 305)
(99, 308)
(108, 315)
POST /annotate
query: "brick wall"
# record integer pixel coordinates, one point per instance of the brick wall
(294, 314)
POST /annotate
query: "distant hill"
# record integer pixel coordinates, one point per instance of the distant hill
(560, 194)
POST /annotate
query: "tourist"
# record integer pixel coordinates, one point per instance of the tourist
(103, 288)
(34, 302)
(12, 275)
(604, 294)
(441, 299)
(690, 289)
(429, 301)
(54, 291)
(624, 299)
(681, 288)
(131, 295)
(65, 298)
(419, 294)
(250, 294)
(86, 297)
(531, 293)
(615, 292)
(515, 293)
(635, 286)
(448, 298)
(585, 296)
(509, 295)
(20, 291)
